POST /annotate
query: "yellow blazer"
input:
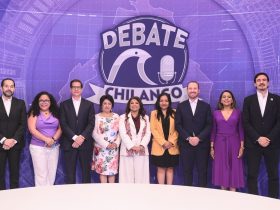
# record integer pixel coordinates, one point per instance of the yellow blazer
(158, 136)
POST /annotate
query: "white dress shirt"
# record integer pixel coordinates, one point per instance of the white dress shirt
(193, 104)
(262, 101)
(7, 104)
(76, 104)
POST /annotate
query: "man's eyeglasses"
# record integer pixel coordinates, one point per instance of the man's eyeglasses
(76, 87)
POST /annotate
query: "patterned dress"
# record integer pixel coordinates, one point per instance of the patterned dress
(106, 131)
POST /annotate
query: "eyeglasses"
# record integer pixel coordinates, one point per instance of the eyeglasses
(44, 101)
(76, 87)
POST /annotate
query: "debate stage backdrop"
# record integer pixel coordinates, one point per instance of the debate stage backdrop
(138, 47)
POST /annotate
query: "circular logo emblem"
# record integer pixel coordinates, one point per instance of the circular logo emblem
(145, 51)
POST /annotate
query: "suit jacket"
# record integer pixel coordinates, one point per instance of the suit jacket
(127, 128)
(82, 124)
(14, 125)
(189, 125)
(256, 125)
(158, 136)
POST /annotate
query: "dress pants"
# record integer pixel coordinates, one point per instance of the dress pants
(195, 157)
(13, 157)
(271, 160)
(70, 160)
(45, 162)
(134, 169)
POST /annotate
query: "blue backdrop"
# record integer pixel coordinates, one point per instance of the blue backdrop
(46, 43)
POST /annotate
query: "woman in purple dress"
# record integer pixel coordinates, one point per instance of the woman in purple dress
(227, 144)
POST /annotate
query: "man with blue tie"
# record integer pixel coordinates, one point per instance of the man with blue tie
(77, 123)
(193, 121)
(261, 121)
(12, 132)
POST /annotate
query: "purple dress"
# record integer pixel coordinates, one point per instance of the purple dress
(227, 169)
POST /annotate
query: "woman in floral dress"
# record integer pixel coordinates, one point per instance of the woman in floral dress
(107, 141)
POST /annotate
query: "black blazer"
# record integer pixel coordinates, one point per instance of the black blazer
(14, 125)
(82, 124)
(198, 124)
(256, 125)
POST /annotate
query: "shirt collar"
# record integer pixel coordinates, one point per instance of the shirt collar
(193, 101)
(260, 95)
(79, 100)
(6, 100)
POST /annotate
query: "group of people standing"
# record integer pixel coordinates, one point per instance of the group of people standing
(112, 144)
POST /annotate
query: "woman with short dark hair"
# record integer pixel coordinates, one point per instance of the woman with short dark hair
(107, 141)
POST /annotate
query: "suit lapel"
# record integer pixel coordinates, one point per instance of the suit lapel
(189, 108)
(171, 125)
(257, 106)
(132, 127)
(13, 106)
(81, 107)
(2, 107)
(142, 125)
(269, 104)
(72, 108)
(160, 125)
(197, 108)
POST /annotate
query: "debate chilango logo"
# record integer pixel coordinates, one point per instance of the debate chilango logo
(143, 57)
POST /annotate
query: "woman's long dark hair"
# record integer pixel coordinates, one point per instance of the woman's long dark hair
(169, 112)
(142, 111)
(221, 106)
(35, 109)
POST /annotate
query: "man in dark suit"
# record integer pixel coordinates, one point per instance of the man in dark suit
(193, 122)
(77, 118)
(261, 120)
(12, 132)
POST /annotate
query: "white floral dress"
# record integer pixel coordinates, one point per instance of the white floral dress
(106, 131)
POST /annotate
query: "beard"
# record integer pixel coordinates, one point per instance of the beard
(262, 87)
(8, 93)
(193, 95)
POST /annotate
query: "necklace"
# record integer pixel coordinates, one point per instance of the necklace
(46, 113)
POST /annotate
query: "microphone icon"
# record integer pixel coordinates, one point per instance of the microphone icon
(167, 71)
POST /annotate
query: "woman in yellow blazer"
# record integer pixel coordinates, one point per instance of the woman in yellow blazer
(165, 151)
